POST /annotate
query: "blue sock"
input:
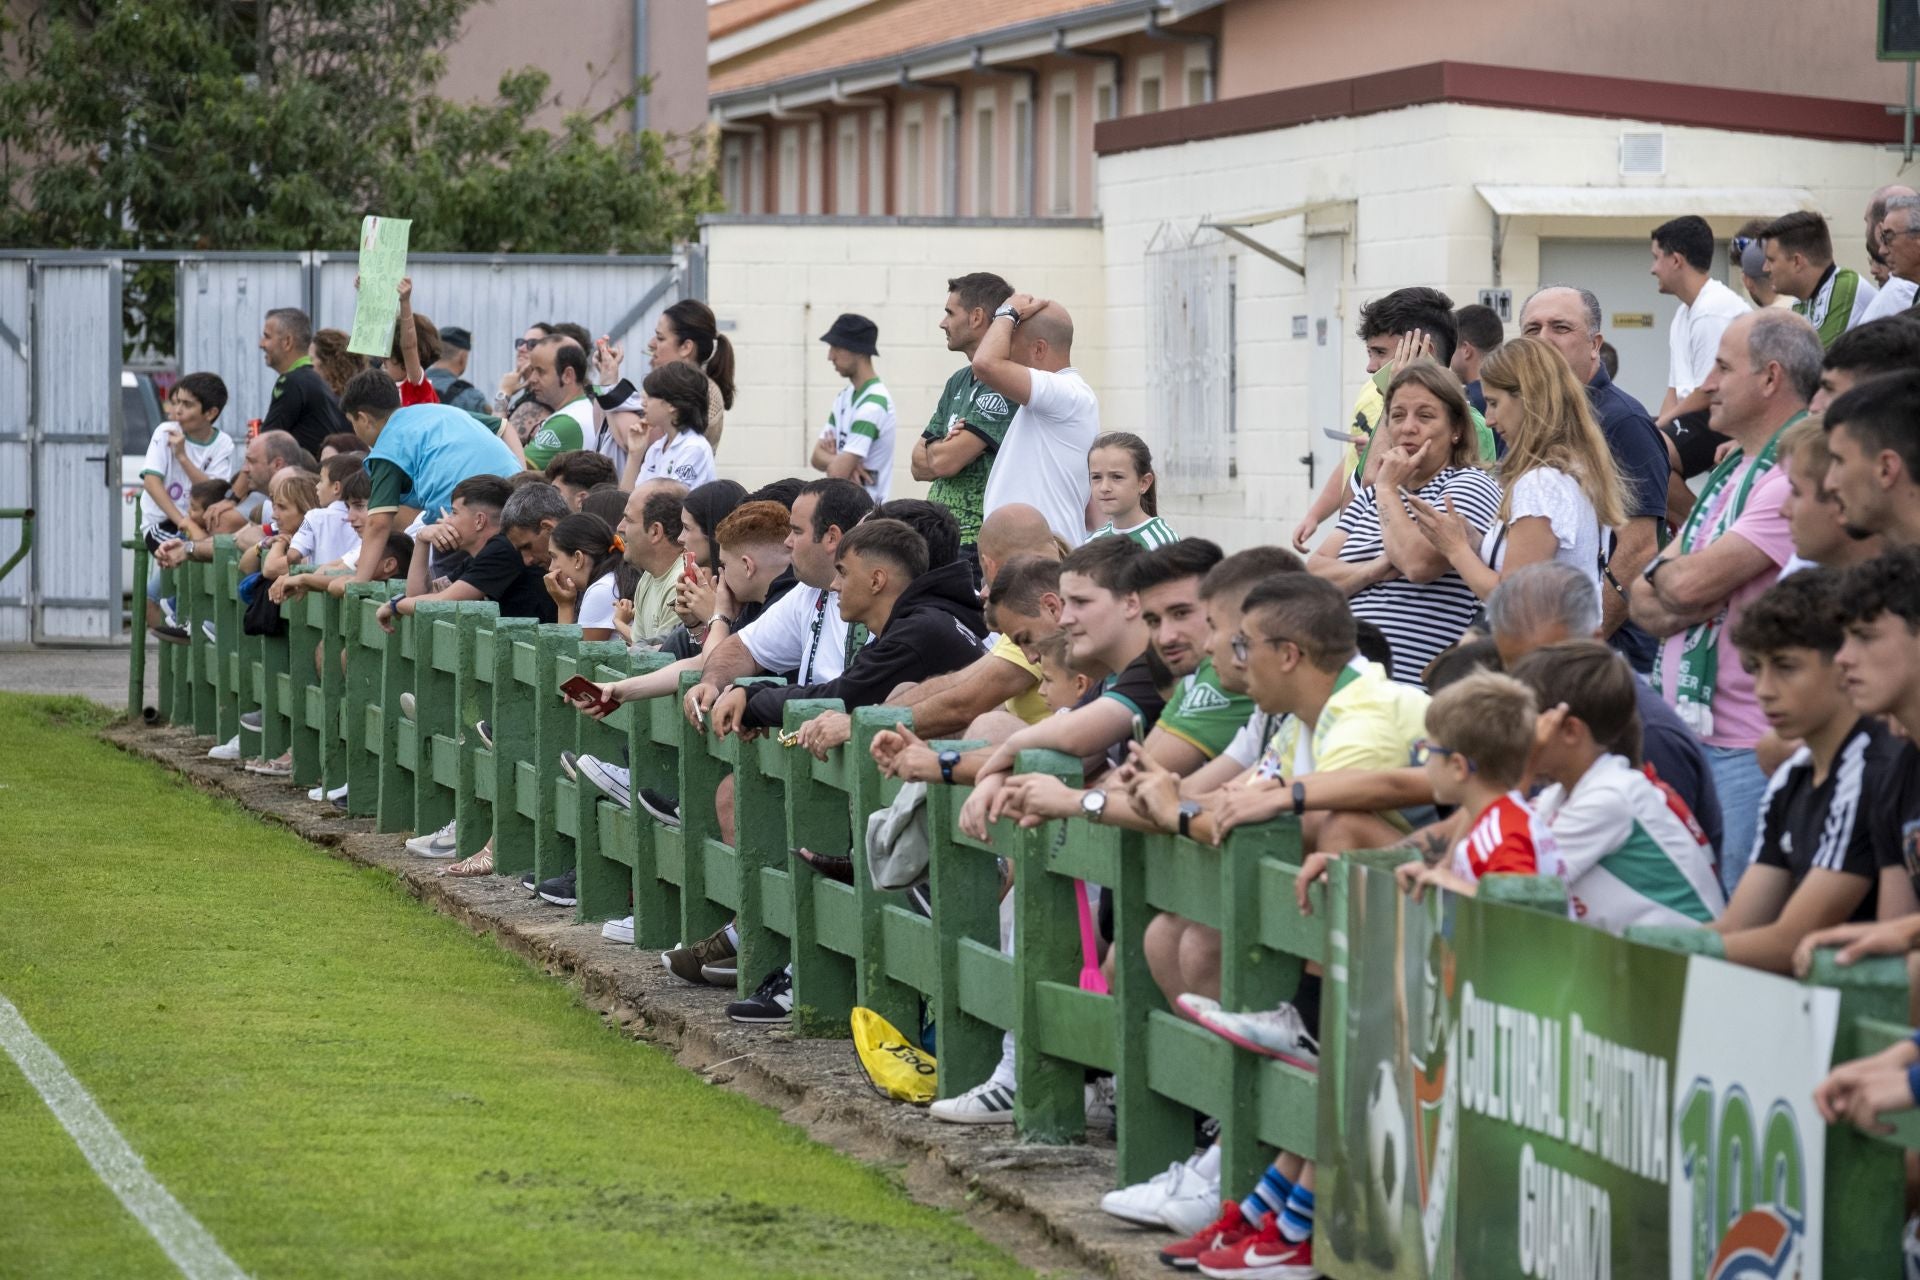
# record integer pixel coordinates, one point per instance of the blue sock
(1296, 1221)
(1269, 1197)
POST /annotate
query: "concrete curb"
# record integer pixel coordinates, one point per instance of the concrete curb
(1040, 1202)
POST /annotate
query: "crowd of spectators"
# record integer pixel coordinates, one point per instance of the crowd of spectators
(1670, 655)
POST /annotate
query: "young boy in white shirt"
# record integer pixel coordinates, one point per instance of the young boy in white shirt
(185, 450)
(1631, 848)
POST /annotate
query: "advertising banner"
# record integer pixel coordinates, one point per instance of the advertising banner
(1526, 1096)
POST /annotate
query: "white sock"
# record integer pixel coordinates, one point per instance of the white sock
(733, 937)
(1003, 1073)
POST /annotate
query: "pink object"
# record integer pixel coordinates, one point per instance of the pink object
(1091, 979)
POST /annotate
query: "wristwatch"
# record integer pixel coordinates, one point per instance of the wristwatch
(1189, 810)
(1007, 311)
(1653, 566)
(1299, 797)
(1094, 804)
(948, 759)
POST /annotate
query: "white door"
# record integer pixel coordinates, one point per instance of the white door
(1634, 313)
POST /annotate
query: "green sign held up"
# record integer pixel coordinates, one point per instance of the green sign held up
(383, 261)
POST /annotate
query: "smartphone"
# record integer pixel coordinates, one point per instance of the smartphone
(693, 567)
(580, 689)
(1344, 437)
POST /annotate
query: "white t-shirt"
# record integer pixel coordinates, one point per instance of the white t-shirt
(861, 423)
(801, 634)
(1247, 745)
(324, 536)
(596, 603)
(686, 457)
(1693, 339)
(1552, 493)
(1895, 296)
(1043, 460)
(214, 457)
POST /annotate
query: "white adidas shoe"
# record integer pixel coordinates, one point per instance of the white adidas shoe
(987, 1103)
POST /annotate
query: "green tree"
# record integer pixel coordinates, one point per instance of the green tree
(276, 124)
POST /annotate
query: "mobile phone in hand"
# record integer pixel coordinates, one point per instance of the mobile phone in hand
(693, 566)
(579, 689)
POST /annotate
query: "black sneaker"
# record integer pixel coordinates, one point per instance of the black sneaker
(664, 810)
(172, 635)
(531, 884)
(485, 730)
(771, 1003)
(559, 890)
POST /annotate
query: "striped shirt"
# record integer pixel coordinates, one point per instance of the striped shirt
(1633, 853)
(1807, 827)
(1149, 533)
(1419, 619)
(861, 423)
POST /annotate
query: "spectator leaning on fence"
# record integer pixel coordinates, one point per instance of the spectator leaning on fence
(650, 536)
(1813, 860)
(970, 420)
(416, 456)
(496, 571)
(302, 404)
(1549, 604)
(185, 450)
(1730, 550)
(857, 443)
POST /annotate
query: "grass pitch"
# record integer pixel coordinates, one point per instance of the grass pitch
(338, 1082)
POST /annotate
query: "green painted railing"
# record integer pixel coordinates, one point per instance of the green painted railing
(330, 692)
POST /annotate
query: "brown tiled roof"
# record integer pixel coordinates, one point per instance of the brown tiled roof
(877, 31)
(731, 15)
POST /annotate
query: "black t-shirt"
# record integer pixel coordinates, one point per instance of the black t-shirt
(1133, 688)
(499, 574)
(1805, 827)
(1896, 818)
(303, 406)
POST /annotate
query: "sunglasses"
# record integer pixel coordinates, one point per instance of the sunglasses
(525, 344)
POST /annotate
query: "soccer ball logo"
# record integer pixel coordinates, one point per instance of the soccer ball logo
(1387, 1149)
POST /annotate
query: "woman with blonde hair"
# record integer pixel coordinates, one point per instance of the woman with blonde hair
(1560, 490)
(1426, 445)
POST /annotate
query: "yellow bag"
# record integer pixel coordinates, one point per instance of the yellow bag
(894, 1065)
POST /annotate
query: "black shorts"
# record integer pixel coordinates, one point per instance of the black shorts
(153, 543)
(1695, 442)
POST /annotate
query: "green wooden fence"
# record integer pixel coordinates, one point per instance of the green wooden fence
(330, 692)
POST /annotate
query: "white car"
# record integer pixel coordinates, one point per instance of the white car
(141, 410)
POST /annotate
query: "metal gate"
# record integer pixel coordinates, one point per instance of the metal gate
(61, 371)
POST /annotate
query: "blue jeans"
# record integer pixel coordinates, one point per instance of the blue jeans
(1737, 777)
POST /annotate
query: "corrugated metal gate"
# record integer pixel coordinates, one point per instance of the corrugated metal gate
(61, 437)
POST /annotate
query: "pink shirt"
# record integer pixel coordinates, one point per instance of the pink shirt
(1737, 721)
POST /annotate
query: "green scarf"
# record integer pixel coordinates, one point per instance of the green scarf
(1699, 675)
(1845, 287)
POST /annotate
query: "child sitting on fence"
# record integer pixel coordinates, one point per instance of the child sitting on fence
(1632, 850)
(1480, 731)
(581, 575)
(292, 495)
(333, 574)
(1813, 862)
(327, 532)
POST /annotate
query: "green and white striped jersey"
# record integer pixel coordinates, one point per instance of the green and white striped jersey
(1149, 533)
(861, 423)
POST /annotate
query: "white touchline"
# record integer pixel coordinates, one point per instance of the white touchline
(178, 1233)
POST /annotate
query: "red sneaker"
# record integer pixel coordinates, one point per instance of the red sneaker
(1264, 1255)
(1227, 1229)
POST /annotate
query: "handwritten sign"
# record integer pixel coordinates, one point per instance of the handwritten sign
(383, 261)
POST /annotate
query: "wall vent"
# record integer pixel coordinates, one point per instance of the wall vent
(1643, 153)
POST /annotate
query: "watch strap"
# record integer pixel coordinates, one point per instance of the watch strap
(1299, 797)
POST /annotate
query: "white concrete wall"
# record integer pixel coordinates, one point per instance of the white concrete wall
(780, 285)
(1418, 220)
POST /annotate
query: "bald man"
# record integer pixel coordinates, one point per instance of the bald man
(1027, 356)
(1002, 681)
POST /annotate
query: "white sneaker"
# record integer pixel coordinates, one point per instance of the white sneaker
(987, 1103)
(618, 930)
(1273, 1033)
(322, 794)
(407, 706)
(1099, 1105)
(228, 750)
(1182, 1186)
(437, 845)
